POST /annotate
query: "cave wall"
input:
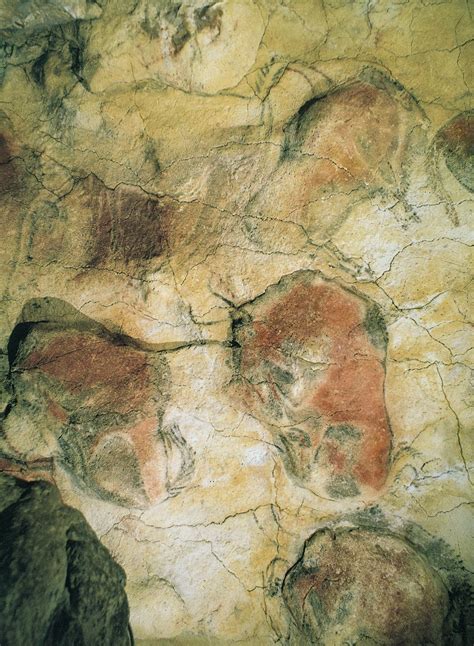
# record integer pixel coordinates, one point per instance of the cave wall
(59, 584)
(236, 317)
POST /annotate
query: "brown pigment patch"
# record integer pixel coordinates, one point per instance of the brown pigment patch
(456, 140)
(101, 400)
(8, 175)
(57, 411)
(361, 129)
(357, 583)
(40, 469)
(128, 226)
(303, 314)
(113, 377)
(459, 134)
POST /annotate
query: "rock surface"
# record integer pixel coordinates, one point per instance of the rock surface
(365, 585)
(311, 366)
(58, 584)
(236, 310)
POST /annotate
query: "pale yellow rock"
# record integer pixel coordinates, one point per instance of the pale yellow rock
(168, 169)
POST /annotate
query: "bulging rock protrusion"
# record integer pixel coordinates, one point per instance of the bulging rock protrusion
(368, 585)
(309, 361)
(58, 583)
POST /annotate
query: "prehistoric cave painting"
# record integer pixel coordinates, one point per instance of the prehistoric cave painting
(356, 129)
(127, 225)
(370, 583)
(122, 229)
(356, 137)
(176, 24)
(94, 226)
(309, 357)
(456, 142)
(95, 403)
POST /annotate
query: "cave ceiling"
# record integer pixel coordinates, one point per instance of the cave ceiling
(236, 306)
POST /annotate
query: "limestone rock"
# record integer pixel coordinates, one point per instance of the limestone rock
(84, 377)
(367, 586)
(36, 15)
(456, 140)
(310, 359)
(58, 584)
(236, 303)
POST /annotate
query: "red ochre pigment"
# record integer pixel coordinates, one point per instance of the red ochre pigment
(351, 392)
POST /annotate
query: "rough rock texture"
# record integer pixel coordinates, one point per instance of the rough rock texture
(236, 306)
(58, 584)
(312, 364)
(333, 592)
